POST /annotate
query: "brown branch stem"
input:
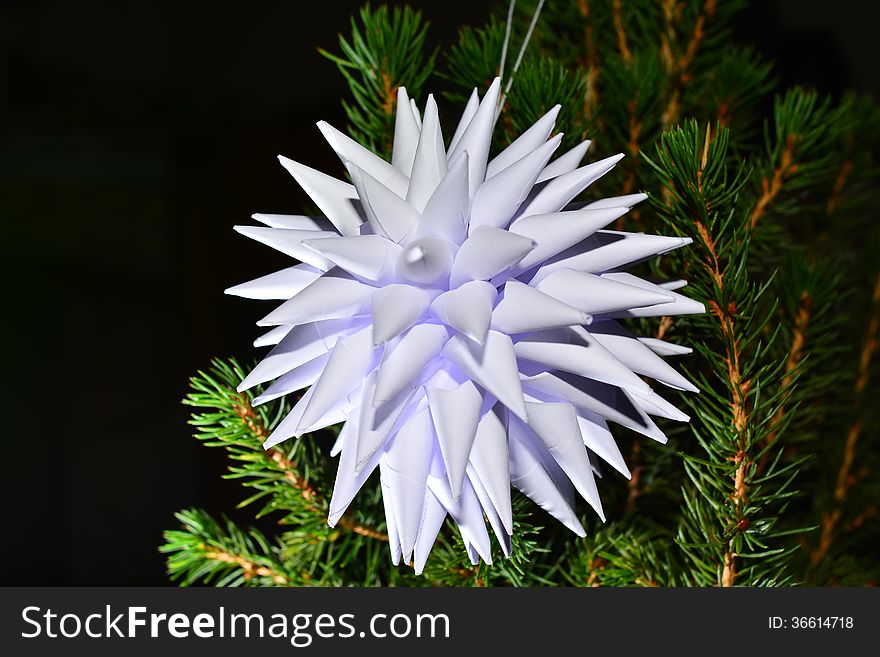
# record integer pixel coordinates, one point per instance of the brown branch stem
(589, 60)
(288, 468)
(837, 190)
(250, 568)
(629, 181)
(666, 323)
(634, 485)
(738, 387)
(770, 188)
(680, 68)
(622, 45)
(795, 354)
(831, 519)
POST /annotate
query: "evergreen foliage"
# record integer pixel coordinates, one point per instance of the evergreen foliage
(386, 50)
(772, 483)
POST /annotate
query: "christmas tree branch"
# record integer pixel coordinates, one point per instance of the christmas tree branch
(634, 485)
(622, 554)
(288, 467)
(770, 188)
(844, 481)
(249, 569)
(839, 183)
(245, 411)
(798, 336)
(622, 46)
(589, 61)
(731, 510)
(216, 390)
(448, 565)
(795, 354)
(679, 68)
(385, 50)
(801, 153)
(633, 149)
(221, 554)
(738, 387)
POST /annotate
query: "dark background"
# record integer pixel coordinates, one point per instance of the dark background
(132, 137)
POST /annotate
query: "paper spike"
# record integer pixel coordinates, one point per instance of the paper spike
(370, 257)
(637, 356)
(607, 249)
(348, 482)
(557, 231)
(559, 191)
(301, 344)
(597, 295)
(608, 401)
(487, 252)
(430, 162)
(377, 425)
(478, 134)
(329, 297)
(391, 522)
(541, 479)
(469, 110)
(467, 513)
(337, 445)
(455, 414)
(491, 513)
(396, 307)
(433, 517)
(492, 365)
(528, 142)
(499, 197)
(598, 438)
(290, 426)
(282, 284)
(472, 553)
(654, 404)
(626, 201)
(296, 379)
(406, 465)
(352, 358)
(679, 305)
(335, 198)
(446, 213)
(415, 112)
(388, 214)
(556, 425)
(565, 163)
(406, 135)
(467, 309)
(673, 285)
(349, 150)
(524, 309)
(405, 360)
(489, 460)
(294, 222)
(272, 337)
(289, 242)
(663, 348)
(582, 355)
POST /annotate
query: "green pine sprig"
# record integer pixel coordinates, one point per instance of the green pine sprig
(386, 50)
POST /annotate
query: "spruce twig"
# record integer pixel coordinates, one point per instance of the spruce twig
(831, 518)
(729, 525)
